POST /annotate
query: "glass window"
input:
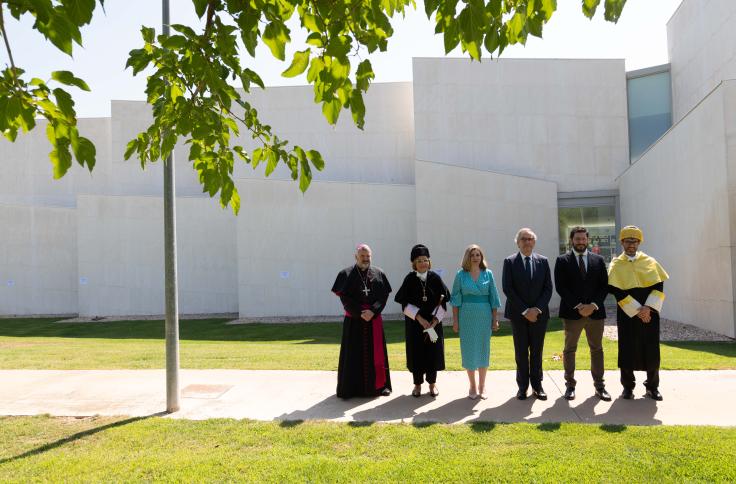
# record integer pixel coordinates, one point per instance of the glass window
(601, 224)
(650, 110)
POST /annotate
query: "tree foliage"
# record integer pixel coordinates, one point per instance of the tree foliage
(200, 80)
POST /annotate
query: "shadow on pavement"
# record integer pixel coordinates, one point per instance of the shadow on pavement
(451, 412)
(398, 408)
(330, 408)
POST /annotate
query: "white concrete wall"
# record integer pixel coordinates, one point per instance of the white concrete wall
(702, 49)
(678, 193)
(38, 260)
(291, 246)
(28, 175)
(381, 153)
(558, 120)
(121, 266)
(457, 207)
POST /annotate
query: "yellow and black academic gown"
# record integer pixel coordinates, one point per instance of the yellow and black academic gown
(636, 283)
(362, 370)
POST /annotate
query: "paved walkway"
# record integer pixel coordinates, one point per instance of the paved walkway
(690, 397)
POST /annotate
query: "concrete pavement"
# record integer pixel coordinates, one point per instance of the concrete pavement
(690, 397)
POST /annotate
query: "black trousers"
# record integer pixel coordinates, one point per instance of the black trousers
(419, 377)
(628, 380)
(528, 346)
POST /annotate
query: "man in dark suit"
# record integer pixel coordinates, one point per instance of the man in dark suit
(581, 280)
(527, 283)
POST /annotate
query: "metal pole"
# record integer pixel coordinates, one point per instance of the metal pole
(172, 304)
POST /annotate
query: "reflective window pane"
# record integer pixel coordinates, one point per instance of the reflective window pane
(650, 110)
(601, 225)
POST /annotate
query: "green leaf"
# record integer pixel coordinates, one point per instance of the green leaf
(589, 7)
(331, 110)
(613, 10)
(200, 6)
(174, 42)
(276, 35)
(316, 158)
(85, 153)
(79, 11)
(492, 40)
(148, 34)
(339, 46)
(299, 64)
(131, 148)
(357, 108)
(255, 78)
(305, 177)
(548, 8)
(64, 102)
(364, 75)
(66, 77)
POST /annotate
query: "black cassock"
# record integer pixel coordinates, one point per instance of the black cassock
(638, 342)
(421, 354)
(363, 367)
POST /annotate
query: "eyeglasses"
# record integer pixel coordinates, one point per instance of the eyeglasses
(630, 241)
(526, 239)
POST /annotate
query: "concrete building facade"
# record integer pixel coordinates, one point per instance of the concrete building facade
(465, 153)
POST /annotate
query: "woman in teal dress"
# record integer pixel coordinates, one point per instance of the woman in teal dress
(475, 306)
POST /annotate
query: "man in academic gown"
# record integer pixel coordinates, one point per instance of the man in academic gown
(363, 367)
(637, 282)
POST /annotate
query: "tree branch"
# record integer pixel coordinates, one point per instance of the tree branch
(5, 39)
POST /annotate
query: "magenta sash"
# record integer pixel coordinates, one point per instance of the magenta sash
(379, 359)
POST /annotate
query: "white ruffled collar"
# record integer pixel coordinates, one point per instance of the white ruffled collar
(422, 275)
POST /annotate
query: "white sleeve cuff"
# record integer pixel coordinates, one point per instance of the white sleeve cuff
(411, 311)
(655, 300)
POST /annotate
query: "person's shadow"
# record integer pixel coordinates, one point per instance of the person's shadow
(398, 408)
(639, 411)
(550, 418)
(331, 408)
(512, 410)
(451, 412)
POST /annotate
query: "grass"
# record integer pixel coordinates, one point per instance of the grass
(110, 450)
(46, 344)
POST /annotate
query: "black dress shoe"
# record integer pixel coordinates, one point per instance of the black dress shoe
(570, 393)
(521, 394)
(654, 395)
(540, 394)
(603, 395)
(385, 392)
(627, 394)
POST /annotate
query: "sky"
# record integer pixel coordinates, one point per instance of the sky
(640, 37)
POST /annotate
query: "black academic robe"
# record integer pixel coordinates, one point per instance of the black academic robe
(363, 366)
(421, 354)
(638, 342)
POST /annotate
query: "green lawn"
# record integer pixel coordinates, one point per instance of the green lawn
(109, 450)
(45, 344)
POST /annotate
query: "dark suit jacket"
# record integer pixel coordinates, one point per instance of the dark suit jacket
(520, 293)
(573, 289)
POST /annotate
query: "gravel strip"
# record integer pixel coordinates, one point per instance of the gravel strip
(670, 331)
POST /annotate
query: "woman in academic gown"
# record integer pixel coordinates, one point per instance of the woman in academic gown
(423, 297)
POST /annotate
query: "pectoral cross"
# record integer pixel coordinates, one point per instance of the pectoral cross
(365, 290)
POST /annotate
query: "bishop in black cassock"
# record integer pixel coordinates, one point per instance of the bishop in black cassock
(363, 367)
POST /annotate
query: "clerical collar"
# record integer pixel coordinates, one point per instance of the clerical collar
(363, 271)
(422, 275)
(580, 253)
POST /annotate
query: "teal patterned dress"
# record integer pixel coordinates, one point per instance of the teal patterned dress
(475, 301)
